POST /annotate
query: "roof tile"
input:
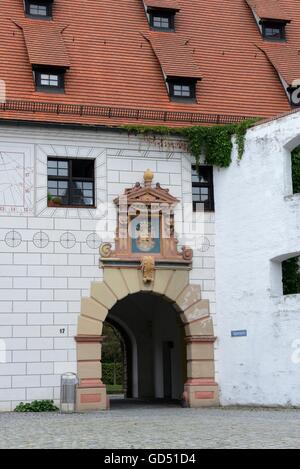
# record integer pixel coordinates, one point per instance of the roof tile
(269, 9)
(166, 4)
(44, 43)
(174, 55)
(285, 60)
(113, 65)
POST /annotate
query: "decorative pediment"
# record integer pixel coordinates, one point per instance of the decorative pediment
(147, 193)
(145, 235)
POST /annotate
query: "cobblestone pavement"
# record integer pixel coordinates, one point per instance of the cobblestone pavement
(153, 426)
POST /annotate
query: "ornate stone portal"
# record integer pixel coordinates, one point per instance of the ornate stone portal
(146, 259)
(146, 227)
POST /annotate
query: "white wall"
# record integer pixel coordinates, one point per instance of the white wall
(41, 282)
(257, 221)
(257, 225)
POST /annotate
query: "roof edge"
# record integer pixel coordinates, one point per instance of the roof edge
(127, 114)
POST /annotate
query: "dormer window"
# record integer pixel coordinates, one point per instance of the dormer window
(182, 89)
(180, 71)
(162, 21)
(271, 18)
(40, 9)
(285, 61)
(273, 31)
(50, 79)
(161, 14)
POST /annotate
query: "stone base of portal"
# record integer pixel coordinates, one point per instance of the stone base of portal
(201, 393)
(91, 396)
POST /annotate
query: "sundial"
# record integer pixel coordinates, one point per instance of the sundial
(15, 183)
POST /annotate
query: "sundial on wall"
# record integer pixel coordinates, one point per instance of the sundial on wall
(145, 227)
(15, 183)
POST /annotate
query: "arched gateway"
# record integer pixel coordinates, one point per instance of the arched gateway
(147, 263)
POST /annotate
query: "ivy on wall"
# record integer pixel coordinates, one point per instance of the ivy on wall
(214, 142)
(296, 170)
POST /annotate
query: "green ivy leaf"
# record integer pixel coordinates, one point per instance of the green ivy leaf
(214, 142)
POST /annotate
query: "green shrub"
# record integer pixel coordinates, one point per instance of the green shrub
(112, 373)
(114, 389)
(37, 406)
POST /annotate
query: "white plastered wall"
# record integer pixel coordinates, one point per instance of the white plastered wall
(258, 225)
(49, 257)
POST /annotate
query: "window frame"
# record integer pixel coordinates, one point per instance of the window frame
(47, 3)
(169, 14)
(290, 274)
(70, 178)
(209, 206)
(59, 72)
(274, 25)
(192, 83)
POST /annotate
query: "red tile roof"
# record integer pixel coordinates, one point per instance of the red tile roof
(174, 55)
(44, 43)
(270, 9)
(285, 60)
(113, 67)
(166, 4)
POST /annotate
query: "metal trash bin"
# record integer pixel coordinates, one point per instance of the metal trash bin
(68, 385)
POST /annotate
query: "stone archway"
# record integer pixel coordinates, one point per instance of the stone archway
(200, 390)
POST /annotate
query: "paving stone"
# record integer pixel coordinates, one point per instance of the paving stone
(150, 425)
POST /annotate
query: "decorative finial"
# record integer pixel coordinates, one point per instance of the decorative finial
(148, 177)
